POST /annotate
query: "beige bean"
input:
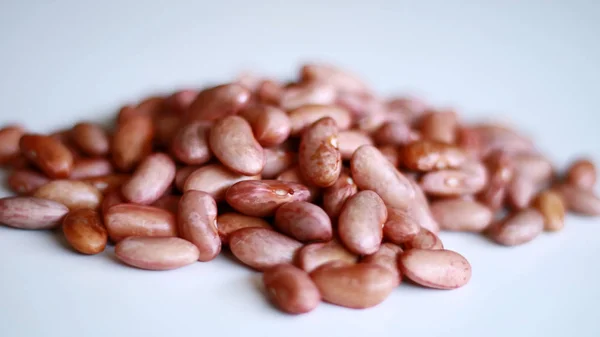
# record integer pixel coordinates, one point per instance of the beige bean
(123, 220)
(91, 139)
(48, 154)
(271, 127)
(277, 161)
(438, 269)
(425, 239)
(361, 221)
(336, 195)
(132, 141)
(397, 133)
(391, 153)
(190, 144)
(552, 207)
(107, 182)
(220, 101)
(428, 155)
(356, 286)
(151, 179)
(293, 175)
(314, 255)
(461, 215)
(182, 174)
(307, 94)
(91, 168)
(350, 140)
(303, 221)
(156, 253)
(518, 228)
(440, 126)
(232, 142)
(401, 225)
(580, 201)
(387, 257)
(26, 181)
(215, 180)
(9, 142)
(84, 231)
(230, 222)
(262, 198)
(197, 220)
(342, 80)
(319, 159)
(582, 174)
(31, 212)
(305, 116)
(291, 289)
(71, 193)
(262, 248)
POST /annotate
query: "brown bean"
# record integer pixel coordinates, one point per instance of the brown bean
(132, 141)
(168, 202)
(84, 231)
(395, 133)
(112, 197)
(438, 269)
(91, 168)
(262, 198)
(401, 225)
(9, 142)
(220, 101)
(293, 175)
(48, 154)
(518, 228)
(580, 201)
(182, 174)
(319, 159)
(387, 257)
(552, 207)
(107, 182)
(232, 142)
(262, 248)
(343, 81)
(440, 126)
(190, 144)
(291, 289)
(150, 180)
(31, 212)
(501, 172)
(123, 220)
(336, 195)
(361, 221)
(166, 126)
(151, 106)
(307, 94)
(26, 181)
(197, 220)
(215, 180)
(428, 155)
(277, 161)
(425, 239)
(271, 126)
(18, 162)
(582, 174)
(391, 153)
(71, 193)
(230, 222)
(461, 215)
(303, 221)
(179, 102)
(305, 116)
(357, 286)
(350, 140)
(156, 253)
(314, 255)
(91, 139)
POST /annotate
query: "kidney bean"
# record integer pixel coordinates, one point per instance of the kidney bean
(197, 220)
(582, 174)
(343, 81)
(262, 248)
(428, 155)
(269, 92)
(350, 140)
(451, 183)
(307, 94)
(374, 120)
(182, 174)
(357, 286)
(152, 106)
(293, 175)
(166, 126)
(220, 101)
(9, 142)
(271, 126)
(395, 133)
(501, 172)
(361, 221)
(262, 198)
(440, 126)
(168, 202)
(31, 212)
(336, 195)
(358, 104)
(532, 166)
(156, 253)
(112, 197)
(48, 154)
(26, 181)
(521, 191)
(90, 168)
(305, 116)
(461, 215)
(518, 228)
(387, 257)
(313, 255)
(438, 269)
(419, 209)
(132, 141)
(424, 239)
(391, 153)
(550, 204)
(401, 225)
(232, 142)
(319, 159)
(291, 289)
(123, 220)
(496, 137)
(580, 201)
(84, 231)
(190, 144)
(303, 221)
(18, 162)
(214, 179)
(71, 193)
(107, 182)
(91, 139)
(179, 102)
(150, 180)
(277, 161)
(412, 108)
(228, 223)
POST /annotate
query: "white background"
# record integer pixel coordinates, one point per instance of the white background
(535, 63)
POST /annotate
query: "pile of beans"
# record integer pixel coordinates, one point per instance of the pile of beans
(334, 193)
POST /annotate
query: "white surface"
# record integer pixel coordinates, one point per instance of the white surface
(533, 62)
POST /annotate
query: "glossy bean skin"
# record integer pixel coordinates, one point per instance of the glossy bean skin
(214, 179)
(501, 171)
(85, 168)
(232, 142)
(304, 221)
(294, 175)
(581, 201)
(451, 183)
(305, 116)
(401, 226)
(271, 127)
(91, 139)
(426, 155)
(9, 142)
(262, 197)
(26, 181)
(291, 289)
(277, 161)
(48, 154)
(123, 220)
(31, 212)
(319, 160)
(156, 253)
(336, 195)
(438, 269)
(424, 239)
(228, 223)
(314, 255)
(197, 220)
(395, 133)
(461, 215)
(131, 142)
(182, 174)
(518, 228)
(387, 257)
(361, 221)
(307, 94)
(107, 182)
(190, 144)
(151, 179)
(85, 232)
(220, 101)
(262, 248)
(440, 126)
(71, 193)
(350, 140)
(342, 80)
